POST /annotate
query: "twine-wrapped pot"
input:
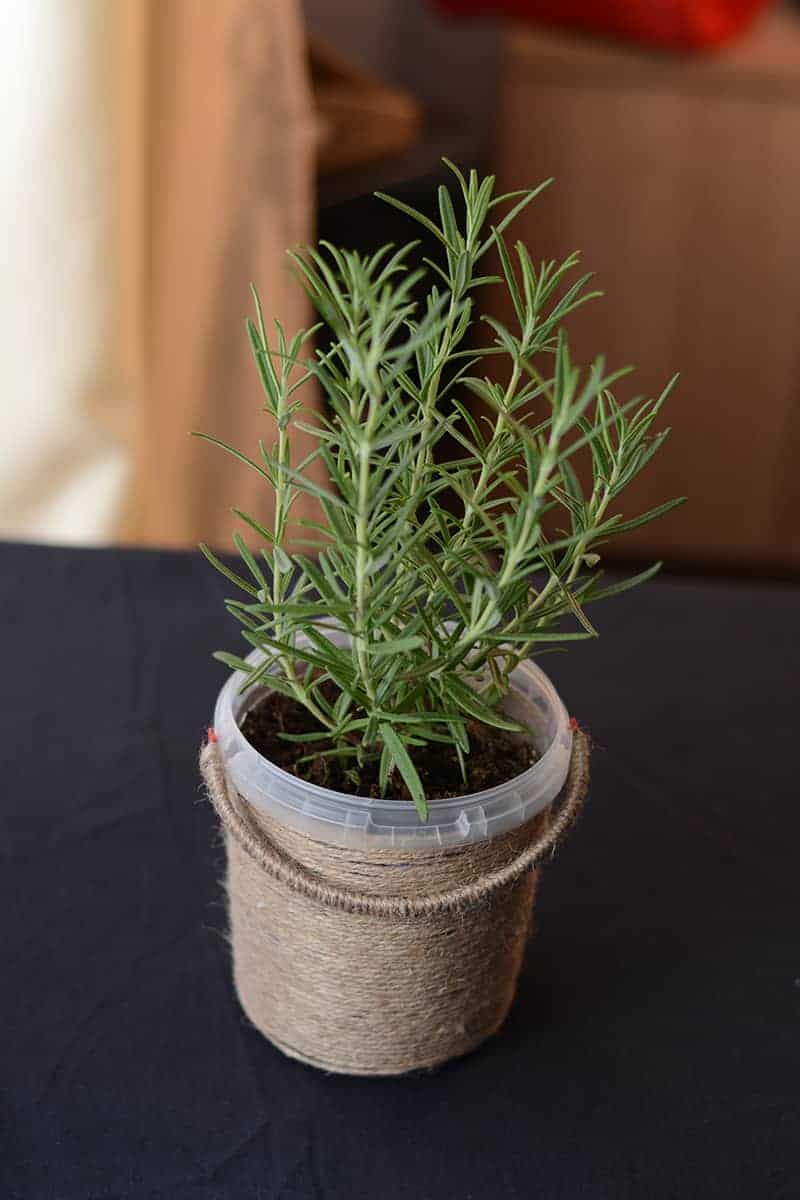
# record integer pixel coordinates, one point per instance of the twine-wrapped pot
(375, 948)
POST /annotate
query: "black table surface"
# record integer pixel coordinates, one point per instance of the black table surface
(653, 1051)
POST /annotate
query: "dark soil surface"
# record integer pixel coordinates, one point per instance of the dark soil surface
(495, 756)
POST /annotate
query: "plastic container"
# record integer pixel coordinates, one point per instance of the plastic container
(358, 821)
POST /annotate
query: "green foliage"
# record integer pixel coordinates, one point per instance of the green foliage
(441, 598)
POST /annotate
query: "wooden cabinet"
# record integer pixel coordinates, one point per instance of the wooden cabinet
(679, 181)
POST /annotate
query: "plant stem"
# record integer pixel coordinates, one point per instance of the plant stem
(362, 552)
(597, 511)
(487, 465)
(429, 410)
(282, 505)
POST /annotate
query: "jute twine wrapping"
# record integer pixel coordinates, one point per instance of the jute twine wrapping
(379, 962)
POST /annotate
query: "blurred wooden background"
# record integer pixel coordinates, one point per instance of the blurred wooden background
(679, 181)
(228, 139)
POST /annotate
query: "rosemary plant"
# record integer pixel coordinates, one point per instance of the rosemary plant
(444, 568)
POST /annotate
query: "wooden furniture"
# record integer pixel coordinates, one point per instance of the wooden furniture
(360, 118)
(679, 180)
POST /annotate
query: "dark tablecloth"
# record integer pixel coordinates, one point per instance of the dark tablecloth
(653, 1050)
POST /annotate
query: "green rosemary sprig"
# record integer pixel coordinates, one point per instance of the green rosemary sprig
(440, 600)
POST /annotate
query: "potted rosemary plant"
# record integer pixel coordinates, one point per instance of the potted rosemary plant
(388, 763)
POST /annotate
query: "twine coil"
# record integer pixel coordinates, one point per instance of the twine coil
(379, 962)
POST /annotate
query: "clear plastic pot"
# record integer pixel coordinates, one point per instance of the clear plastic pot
(357, 821)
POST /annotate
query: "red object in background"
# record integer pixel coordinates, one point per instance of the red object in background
(680, 24)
